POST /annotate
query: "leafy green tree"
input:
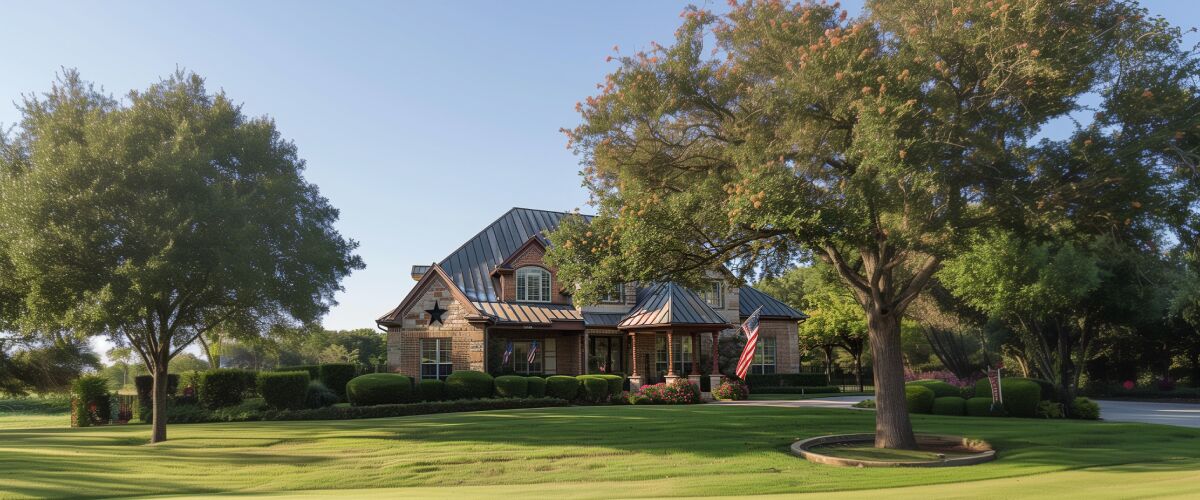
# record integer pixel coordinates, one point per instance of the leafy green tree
(159, 217)
(874, 142)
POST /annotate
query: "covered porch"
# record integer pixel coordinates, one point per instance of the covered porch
(671, 321)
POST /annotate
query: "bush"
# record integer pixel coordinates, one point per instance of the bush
(1049, 409)
(829, 389)
(314, 371)
(595, 389)
(866, 403)
(512, 386)
(731, 390)
(336, 375)
(319, 396)
(431, 390)
(91, 402)
(949, 405)
(562, 387)
(379, 389)
(786, 379)
(940, 389)
(1048, 393)
(678, 392)
(284, 390)
(342, 412)
(221, 387)
(1084, 408)
(145, 389)
(536, 387)
(1020, 395)
(982, 407)
(469, 384)
(616, 383)
(920, 399)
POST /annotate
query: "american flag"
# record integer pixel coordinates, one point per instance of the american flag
(751, 329)
(507, 354)
(533, 347)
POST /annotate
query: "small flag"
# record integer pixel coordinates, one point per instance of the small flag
(533, 351)
(751, 329)
(507, 353)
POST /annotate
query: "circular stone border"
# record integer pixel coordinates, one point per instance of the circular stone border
(984, 451)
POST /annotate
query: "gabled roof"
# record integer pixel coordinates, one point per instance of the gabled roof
(470, 266)
(750, 299)
(435, 271)
(669, 304)
(534, 241)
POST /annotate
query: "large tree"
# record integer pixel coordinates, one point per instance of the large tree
(157, 218)
(872, 142)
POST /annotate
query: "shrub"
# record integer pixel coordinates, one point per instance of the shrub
(678, 392)
(314, 371)
(616, 383)
(536, 387)
(469, 384)
(283, 390)
(431, 390)
(731, 390)
(595, 389)
(342, 412)
(512, 386)
(920, 399)
(949, 405)
(786, 379)
(221, 387)
(316, 395)
(940, 389)
(1085, 409)
(336, 375)
(866, 403)
(562, 387)
(1020, 395)
(1049, 409)
(379, 389)
(1048, 393)
(829, 389)
(982, 407)
(91, 404)
(145, 389)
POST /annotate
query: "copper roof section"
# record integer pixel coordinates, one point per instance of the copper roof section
(528, 313)
(669, 304)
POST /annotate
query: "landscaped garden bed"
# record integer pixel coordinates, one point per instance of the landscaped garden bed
(858, 450)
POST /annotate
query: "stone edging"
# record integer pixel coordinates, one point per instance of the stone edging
(802, 449)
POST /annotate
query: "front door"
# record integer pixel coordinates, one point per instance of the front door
(606, 354)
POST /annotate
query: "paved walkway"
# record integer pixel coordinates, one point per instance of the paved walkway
(1183, 415)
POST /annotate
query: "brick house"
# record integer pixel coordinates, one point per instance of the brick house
(494, 294)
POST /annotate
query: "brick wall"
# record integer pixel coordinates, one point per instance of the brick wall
(787, 344)
(466, 340)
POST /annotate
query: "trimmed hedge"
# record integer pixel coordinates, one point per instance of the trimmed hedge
(314, 371)
(1084, 408)
(829, 389)
(319, 396)
(283, 390)
(221, 387)
(786, 380)
(1021, 395)
(431, 390)
(920, 399)
(336, 375)
(512, 386)
(92, 403)
(536, 387)
(940, 389)
(379, 389)
(982, 407)
(145, 389)
(562, 387)
(950, 405)
(403, 410)
(469, 384)
(595, 389)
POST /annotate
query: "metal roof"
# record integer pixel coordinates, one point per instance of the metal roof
(670, 304)
(750, 299)
(518, 312)
(596, 320)
(470, 266)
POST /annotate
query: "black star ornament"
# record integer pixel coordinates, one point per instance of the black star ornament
(435, 314)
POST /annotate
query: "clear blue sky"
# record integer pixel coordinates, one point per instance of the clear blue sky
(422, 121)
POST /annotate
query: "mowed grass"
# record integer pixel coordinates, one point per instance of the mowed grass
(588, 452)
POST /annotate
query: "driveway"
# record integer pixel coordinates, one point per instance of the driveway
(1183, 415)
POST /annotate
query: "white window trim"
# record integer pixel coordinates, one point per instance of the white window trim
(547, 287)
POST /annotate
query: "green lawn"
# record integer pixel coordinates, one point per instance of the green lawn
(588, 452)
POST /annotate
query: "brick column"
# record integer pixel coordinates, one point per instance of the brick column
(714, 377)
(671, 376)
(635, 380)
(695, 354)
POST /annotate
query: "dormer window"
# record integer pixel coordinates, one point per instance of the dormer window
(614, 294)
(533, 284)
(714, 294)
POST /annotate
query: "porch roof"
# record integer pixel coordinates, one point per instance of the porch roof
(669, 304)
(527, 313)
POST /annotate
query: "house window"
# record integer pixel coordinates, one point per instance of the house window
(605, 354)
(682, 348)
(764, 357)
(533, 284)
(614, 294)
(714, 295)
(544, 359)
(435, 359)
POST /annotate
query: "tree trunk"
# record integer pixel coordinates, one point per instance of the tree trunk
(858, 370)
(158, 431)
(828, 350)
(892, 426)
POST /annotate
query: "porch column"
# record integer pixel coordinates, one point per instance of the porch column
(584, 367)
(671, 376)
(695, 354)
(714, 377)
(635, 380)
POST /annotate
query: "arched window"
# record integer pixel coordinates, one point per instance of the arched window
(533, 284)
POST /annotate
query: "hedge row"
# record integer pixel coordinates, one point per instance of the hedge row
(1021, 398)
(196, 414)
(391, 388)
